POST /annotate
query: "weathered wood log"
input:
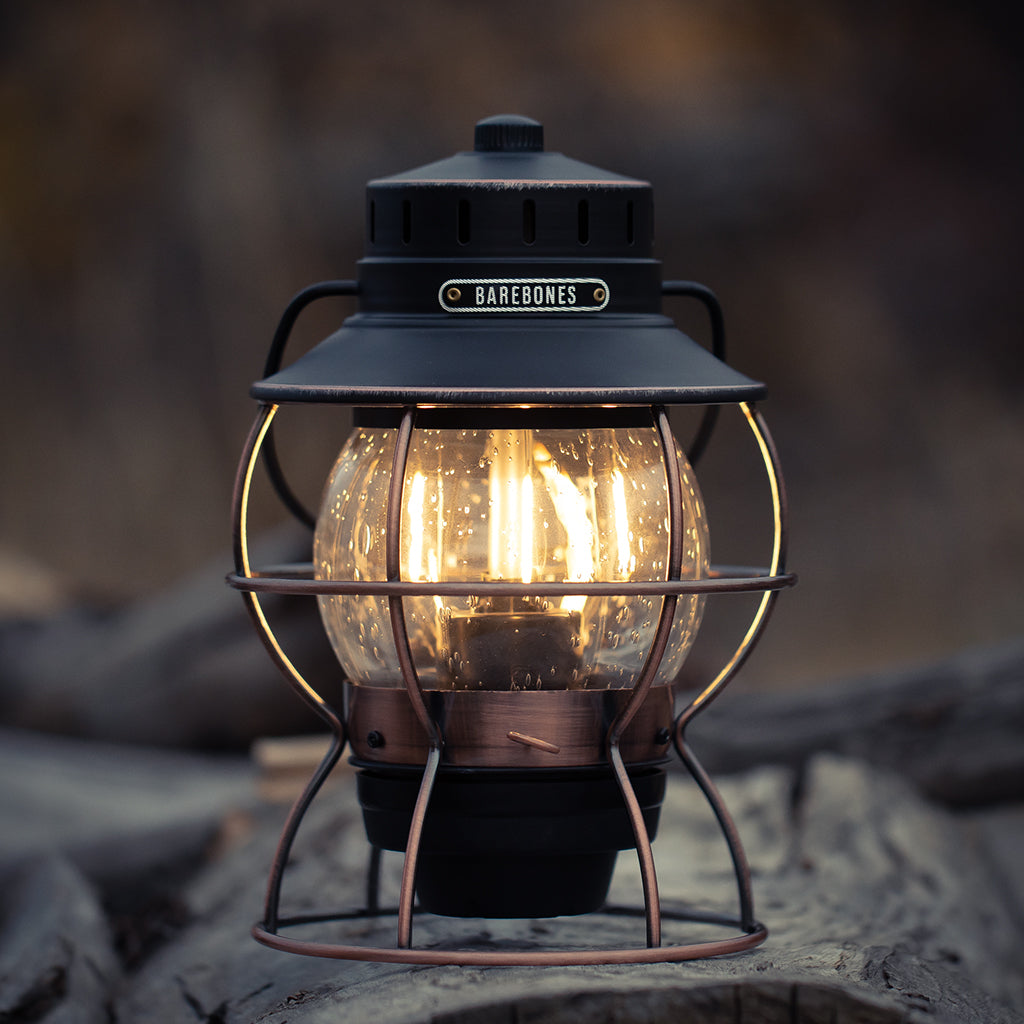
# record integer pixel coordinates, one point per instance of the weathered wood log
(956, 728)
(57, 960)
(133, 823)
(95, 842)
(182, 668)
(882, 908)
(881, 905)
(116, 812)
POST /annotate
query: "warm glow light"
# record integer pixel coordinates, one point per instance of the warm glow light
(414, 509)
(626, 561)
(529, 505)
(510, 491)
(571, 508)
(526, 529)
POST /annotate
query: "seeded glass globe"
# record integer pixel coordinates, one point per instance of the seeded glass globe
(524, 505)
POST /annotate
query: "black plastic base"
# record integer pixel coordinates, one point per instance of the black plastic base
(513, 885)
(498, 843)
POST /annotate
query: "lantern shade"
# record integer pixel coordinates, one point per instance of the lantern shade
(508, 275)
(622, 359)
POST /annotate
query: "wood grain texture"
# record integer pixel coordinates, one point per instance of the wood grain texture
(887, 869)
(882, 908)
(955, 728)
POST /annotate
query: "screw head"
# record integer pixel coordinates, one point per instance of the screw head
(374, 739)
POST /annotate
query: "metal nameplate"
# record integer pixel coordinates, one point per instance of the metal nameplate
(523, 295)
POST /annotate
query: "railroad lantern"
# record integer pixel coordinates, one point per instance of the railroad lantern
(511, 554)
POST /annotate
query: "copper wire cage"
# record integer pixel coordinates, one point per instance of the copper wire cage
(297, 580)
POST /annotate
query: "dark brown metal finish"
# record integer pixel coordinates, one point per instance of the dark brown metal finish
(776, 570)
(393, 529)
(534, 742)
(721, 580)
(645, 854)
(519, 958)
(694, 290)
(741, 868)
(476, 725)
(240, 500)
(393, 536)
(325, 289)
(412, 848)
(668, 608)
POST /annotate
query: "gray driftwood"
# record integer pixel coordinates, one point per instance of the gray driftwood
(57, 958)
(95, 843)
(130, 879)
(882, 908)
(955, 728)
(180, 669)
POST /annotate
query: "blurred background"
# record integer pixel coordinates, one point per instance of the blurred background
(846, 176)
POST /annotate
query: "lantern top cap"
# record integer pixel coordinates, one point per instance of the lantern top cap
(508, 133)
(508, 151)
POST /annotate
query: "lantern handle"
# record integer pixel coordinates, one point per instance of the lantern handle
(275, 356)
(693, 290)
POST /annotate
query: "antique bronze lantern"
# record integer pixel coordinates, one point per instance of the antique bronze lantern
(511, 552)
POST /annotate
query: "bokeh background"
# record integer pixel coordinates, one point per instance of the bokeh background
(846, 176)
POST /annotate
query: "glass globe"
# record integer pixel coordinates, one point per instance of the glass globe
(525, 505)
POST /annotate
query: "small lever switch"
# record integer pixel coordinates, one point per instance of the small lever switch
(532, 741)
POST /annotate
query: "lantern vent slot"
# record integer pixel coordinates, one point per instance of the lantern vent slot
(584, 222)
(406, 221)
(529, 221)
(463, 222)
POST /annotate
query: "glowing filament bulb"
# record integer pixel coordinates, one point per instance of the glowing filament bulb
(626, 561)
(573, 513)
(414, 508)
(526, 529)
(510, 489)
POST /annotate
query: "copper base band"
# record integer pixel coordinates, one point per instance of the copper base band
(507, 729)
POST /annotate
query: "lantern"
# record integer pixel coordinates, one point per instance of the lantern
(511, 554)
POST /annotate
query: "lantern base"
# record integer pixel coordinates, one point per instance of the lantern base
(510, 843)
(514, 886)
